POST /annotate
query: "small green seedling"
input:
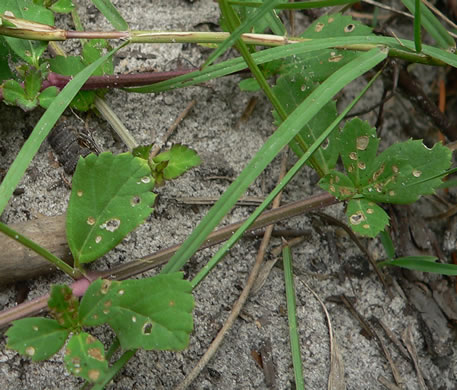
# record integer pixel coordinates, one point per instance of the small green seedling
(111, 195)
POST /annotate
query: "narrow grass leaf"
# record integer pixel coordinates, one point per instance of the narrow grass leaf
(282, 136)
(42, 129)
(424, 264)
(431, 24)
(112, 14)
(287, 178)
(292, 316)
(242, 28)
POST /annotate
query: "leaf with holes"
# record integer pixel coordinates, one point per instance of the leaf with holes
(179, 159)
(358, 144)
(152, 313)
(111, 196)
(338, 184)
(85, 357)
(405, 171)
(64, 306)
(366, 217)
(37, 338)
(291, 89)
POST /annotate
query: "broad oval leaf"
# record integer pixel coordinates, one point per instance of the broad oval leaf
(366, 217)
(111, 196)
(85, 357)
(151, 313)
(37, 338)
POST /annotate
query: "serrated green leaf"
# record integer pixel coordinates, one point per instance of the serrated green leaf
(358, 145)
(180, 159)
(37, 338)
(62, 6)
(29, 51)
(14, 94)
(85, 357)
(47, 96)
(399, 172)
(422, 263)
(151, 313)
(111, 196)
(64, 306)
(338, 184)
(366, 217)
(291, 89)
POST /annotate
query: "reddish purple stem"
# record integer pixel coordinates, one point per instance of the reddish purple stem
(112, 81)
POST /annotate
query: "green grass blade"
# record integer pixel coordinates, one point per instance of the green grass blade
(297, 5)
(112, 14)
(417, 26)
(282, 136)
(422, 263)
(431, 24)
(402, 47)
(42, 129)
(287, 178)
(292, 316)
(242, 28)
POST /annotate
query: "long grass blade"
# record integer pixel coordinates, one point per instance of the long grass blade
(282, 136)
(431, 24)
(400, 48)
(292, 316)
(111, 13)
(242, 28)
(287, 178)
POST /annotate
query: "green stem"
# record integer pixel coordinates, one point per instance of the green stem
(297, 5)
(70, 271)
(417, 26)
(292, 316)
(230, 15)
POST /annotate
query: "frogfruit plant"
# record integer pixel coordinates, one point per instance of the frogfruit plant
(104, 207)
